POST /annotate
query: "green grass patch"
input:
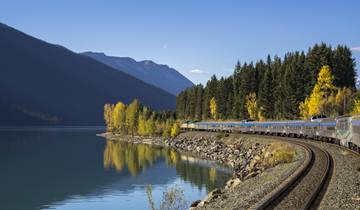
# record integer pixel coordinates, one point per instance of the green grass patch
(222, 135)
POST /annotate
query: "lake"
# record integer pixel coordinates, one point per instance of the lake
(72, 168)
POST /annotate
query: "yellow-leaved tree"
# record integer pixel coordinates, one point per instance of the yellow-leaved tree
(322, 96)
(108, 117)
(150, 126)
(356, 107)
(119, 117)
(166, 132)
(251, 105)
(132, 112)
(175, 130)
(213, 108)
(142, 126)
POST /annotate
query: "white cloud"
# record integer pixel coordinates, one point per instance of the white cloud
(197, 71)
(356, 48)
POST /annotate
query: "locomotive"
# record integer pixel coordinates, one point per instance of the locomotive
(344, 130)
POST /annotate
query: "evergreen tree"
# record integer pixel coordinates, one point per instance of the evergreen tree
(199, 101)
(266, 100)
(279, 84)
(344, 67)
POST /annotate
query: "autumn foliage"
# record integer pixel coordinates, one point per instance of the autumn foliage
(135, 119)
(326, 98)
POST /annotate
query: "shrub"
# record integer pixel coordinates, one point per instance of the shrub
(173, 199)
(222, 135)
(279, 153)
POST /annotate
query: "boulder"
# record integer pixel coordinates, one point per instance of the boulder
(232, 183)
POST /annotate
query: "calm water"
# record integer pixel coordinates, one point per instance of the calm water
(74, 169)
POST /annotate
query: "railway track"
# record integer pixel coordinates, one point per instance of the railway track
(305, 188)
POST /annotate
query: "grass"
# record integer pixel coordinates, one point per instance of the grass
(278, 153)
(222, 135)
(172, 199)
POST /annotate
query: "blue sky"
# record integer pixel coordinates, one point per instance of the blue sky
(198, 38)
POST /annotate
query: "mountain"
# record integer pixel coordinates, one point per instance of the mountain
(159, 75)
(45, 84)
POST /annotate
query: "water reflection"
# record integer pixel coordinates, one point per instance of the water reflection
(136, 157)
(119, 155)
(78, 170)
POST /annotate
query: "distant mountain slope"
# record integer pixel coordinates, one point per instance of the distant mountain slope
(41, 83)
(159, 75)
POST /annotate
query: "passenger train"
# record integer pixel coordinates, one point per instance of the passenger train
(344, 130)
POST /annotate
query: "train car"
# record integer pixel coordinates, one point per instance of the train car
(343, 130)
(355, 130)
(326, 130)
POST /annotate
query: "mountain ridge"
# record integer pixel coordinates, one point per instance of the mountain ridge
(47, 84)
(159, 75)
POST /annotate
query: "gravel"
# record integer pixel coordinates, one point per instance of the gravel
(343, 191)
(252, 190)
(303, 188)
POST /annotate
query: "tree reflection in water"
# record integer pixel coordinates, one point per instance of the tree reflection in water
(137, 157)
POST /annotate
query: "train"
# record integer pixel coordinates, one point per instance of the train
(344, 130)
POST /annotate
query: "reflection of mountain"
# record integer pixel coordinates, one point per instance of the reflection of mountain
(137, 157)
(41, 168)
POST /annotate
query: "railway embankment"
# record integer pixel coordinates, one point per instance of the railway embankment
(259, 165)
(343, 190)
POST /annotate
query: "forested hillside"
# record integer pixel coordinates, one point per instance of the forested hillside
(275, 88)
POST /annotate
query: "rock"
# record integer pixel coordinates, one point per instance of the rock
(212, 195)
(195, 204)
(250, 175)
(257, 157)
(232, 183)
(253, 163)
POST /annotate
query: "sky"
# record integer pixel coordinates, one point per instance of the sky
(198, 38)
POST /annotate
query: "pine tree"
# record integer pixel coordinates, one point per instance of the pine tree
(199, 101)
(266, 100)
(344, 67)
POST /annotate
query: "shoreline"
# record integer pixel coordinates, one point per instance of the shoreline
(243, 154)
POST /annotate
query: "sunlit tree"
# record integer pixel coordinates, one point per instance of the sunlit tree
(132, 112)
(251, 104)
(318, 101)
(175, 130)
(119, 117)
(356, 107)
(213, 108)
(141, 128)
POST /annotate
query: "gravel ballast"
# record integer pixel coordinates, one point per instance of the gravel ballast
(343, 191)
